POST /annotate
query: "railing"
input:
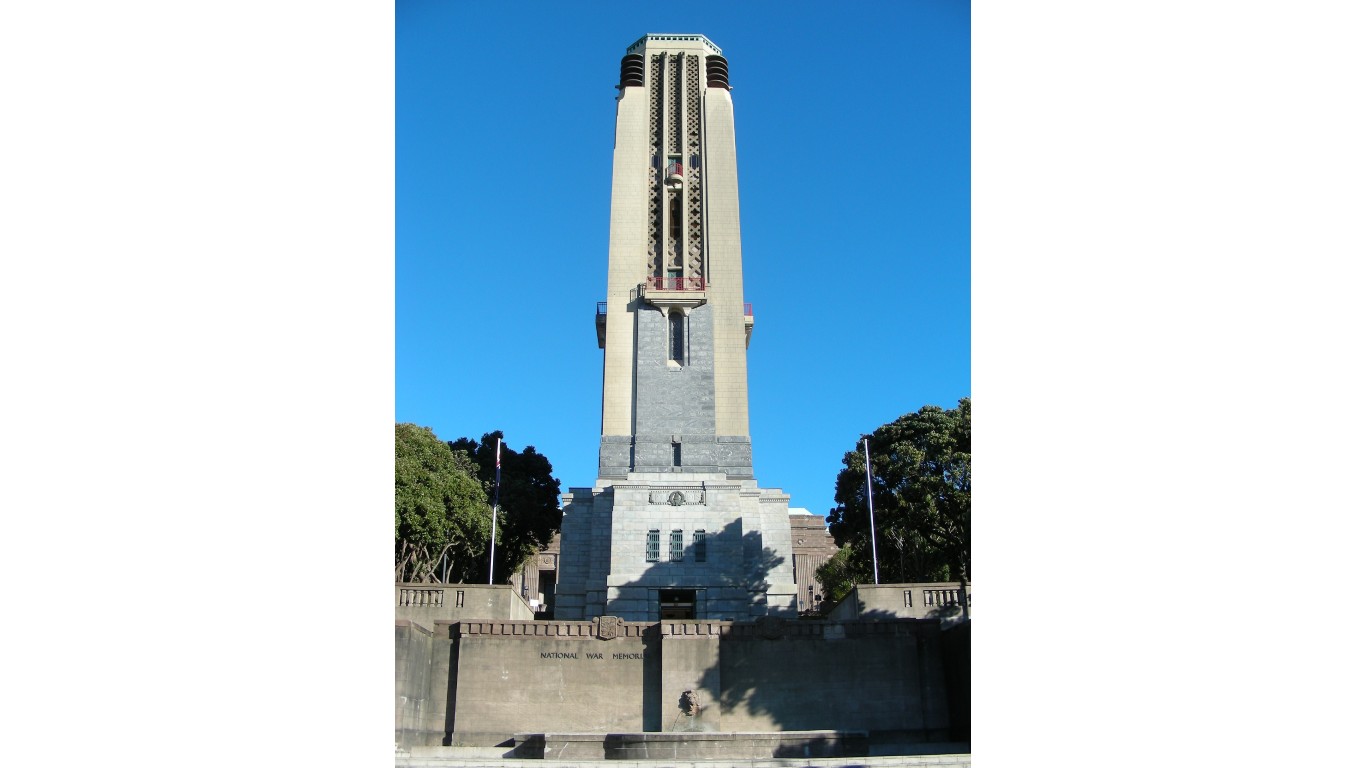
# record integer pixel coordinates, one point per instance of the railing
(675, 283)
(424, 597)
(602, 305)
(938, 597)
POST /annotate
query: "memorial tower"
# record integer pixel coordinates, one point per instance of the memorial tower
(676, 526)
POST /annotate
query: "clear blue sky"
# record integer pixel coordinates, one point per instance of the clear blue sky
(852, 125)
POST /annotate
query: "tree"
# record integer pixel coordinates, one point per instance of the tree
(439, 510)
(837, 576)
(528, 499)
(922, 497)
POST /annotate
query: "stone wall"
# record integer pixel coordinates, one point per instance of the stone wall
(427, 604)
(610, 676)
(553, 675)
(412, 683)
(918, 600)
(808, 675)
(742, 570)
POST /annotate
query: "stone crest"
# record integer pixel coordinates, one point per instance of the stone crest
(678, 497)
(608, 627)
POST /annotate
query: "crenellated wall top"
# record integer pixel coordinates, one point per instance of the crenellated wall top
(673, 41)
(768, 628)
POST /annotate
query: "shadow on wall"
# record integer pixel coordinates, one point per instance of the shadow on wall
(803, 675)
(731, 559)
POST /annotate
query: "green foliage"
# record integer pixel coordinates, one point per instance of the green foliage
(922, 497)
(838, 575)
(528, 499)
(439, 510)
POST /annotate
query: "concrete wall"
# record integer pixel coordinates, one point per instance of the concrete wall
(427, 604)
(509, 677)
(919, 600)
(513, 677)
(875, 676)
(412, 682)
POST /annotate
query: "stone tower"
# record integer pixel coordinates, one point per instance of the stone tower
(676, 525)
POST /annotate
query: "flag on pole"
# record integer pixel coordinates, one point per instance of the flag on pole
(497, 480)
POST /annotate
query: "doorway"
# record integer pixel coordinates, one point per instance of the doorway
(677, 604)
(546, 587)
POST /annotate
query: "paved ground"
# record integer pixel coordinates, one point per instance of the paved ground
(491, 757)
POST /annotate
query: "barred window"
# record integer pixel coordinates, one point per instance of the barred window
(676, 545)
(699, 546)
(652, 547)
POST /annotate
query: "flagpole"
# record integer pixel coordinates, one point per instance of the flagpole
(497, 479)
(872, 530)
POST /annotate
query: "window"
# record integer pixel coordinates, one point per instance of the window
(699, 546)
(676, 546)
(652, 547)
(678, 454)
(676, 337)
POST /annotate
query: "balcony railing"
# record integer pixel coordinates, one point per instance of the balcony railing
(602, 305)
(675, 283)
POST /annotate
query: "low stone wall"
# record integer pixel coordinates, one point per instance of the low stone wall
(568, 676)
(696, 677)
(916, 600)
(426, 604)
(884, 676)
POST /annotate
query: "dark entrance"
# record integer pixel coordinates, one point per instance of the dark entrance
(546, 587)
(677, 604)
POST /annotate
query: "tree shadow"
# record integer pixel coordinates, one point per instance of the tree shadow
(730, 561)
(899, 681)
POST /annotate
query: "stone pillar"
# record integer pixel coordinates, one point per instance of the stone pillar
(690, 660)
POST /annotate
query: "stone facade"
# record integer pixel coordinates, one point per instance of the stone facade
(725, 542)
(536, 581)
(486, 681)
(674, 332)
(812, 545)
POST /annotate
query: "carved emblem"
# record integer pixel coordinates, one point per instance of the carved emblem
(770, 627)
(678, 498)
(608, 627)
